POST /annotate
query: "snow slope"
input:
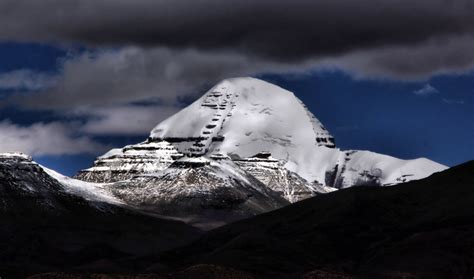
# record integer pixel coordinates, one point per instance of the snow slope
(247, 115)
(95, 192)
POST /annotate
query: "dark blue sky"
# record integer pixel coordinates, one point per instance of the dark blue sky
(378, 115)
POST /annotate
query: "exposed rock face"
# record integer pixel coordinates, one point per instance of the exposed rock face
(24, 184)
(137, 159)
(271, 172)
(201, 192)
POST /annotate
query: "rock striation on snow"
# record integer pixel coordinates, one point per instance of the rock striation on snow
(275, 176)
(123, 163)
(200, 191)
(242, 116)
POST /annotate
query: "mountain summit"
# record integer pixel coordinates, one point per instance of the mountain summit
(251, 136)
(242, 116)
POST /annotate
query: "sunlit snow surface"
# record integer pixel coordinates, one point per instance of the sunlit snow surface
(95, 192)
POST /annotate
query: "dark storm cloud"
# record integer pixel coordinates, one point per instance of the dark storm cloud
(132, 74)
(163, 50)
(439, 56)
(283, 30)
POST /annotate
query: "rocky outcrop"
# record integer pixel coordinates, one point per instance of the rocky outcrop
(122, 164)
(275, 176)
(199, 191)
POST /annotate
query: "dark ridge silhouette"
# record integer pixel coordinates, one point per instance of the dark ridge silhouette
(420, 229)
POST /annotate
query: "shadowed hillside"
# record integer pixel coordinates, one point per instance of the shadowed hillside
(44, 228)
(421, 229)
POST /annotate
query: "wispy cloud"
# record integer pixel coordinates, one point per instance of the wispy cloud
(123, 120)
(45, 139)
(426, 90)
(453, 101)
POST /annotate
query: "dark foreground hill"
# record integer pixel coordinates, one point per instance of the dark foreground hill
(421, 229)
(45, 228)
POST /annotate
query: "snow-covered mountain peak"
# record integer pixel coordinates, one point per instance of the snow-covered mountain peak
(243, 116)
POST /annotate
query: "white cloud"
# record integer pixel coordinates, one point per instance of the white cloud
(26, 80)
(45, 139)
(426, 90)
(124, 120)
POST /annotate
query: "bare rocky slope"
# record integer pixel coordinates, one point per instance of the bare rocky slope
(201, 192)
